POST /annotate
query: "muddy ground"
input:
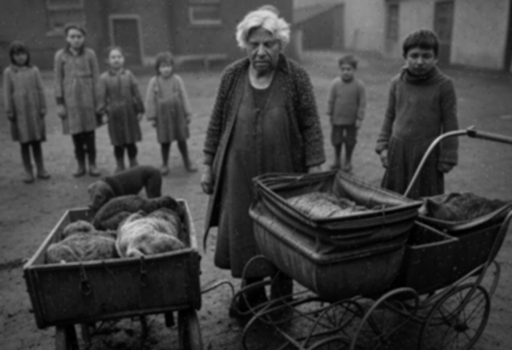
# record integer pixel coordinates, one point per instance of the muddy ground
(29, 212)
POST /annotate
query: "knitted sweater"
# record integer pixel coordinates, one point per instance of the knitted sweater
(300, 103)
(421, 110)
(347, 101)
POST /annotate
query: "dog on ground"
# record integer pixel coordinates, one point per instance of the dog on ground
(130, 181)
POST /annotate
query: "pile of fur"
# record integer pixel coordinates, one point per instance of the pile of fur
(459, 206)
(110, 215)
(82, 242)
(324, 205)
(141, 234)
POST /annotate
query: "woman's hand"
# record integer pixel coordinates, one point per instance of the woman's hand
(384, 158)
(444, 167)
(140, 116)
(61, 111)
(207, 182)
(315, 169)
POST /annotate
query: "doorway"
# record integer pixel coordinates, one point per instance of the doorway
(125, 32)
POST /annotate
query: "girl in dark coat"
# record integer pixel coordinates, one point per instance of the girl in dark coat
(121, 101)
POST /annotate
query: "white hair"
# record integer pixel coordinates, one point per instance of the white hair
(267, 20)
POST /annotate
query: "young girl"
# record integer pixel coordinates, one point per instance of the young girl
(25, 107)
(76, 77)
(120, 100)
(168, 107)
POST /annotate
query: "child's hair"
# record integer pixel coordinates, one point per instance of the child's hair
(76, 26)
(115, 48)
(16, 48)
(348, 59)
(424, 39)
(163, 58)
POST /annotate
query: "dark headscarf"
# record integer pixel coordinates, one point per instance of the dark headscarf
(18, 47)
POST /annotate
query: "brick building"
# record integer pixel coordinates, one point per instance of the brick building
(191, 29)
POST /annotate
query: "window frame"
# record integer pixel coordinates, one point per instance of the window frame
(195, 4)
(51, 7)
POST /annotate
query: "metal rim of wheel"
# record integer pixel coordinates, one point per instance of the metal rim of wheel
(450, 325)
(381, 322)
(189, 331)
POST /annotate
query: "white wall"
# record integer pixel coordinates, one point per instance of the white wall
(480, 33)
(364, 25)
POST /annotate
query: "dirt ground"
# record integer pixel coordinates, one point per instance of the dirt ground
(29, 212)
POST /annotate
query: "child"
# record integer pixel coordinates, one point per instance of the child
(168, 107)
(25, 106)
(421, 106)
(76, 77)
(346, 106)
(120, 100)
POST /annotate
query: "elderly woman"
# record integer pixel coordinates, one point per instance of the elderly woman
(264, 120)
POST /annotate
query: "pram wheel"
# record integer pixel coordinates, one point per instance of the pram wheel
(189, 330)
(456, 322)
(380, 325)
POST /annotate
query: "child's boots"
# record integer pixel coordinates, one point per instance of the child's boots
(93, 170)
(38, 157)
(80, 170)
(133, 162)
(29, 175)
(119, 165)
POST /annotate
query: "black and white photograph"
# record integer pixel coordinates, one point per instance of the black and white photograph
(256, 174)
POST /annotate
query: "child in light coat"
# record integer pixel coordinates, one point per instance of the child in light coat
(168, 107)
(25, 107)
(76, 79)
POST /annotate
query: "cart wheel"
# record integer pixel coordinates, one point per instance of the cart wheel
(65, 338)
(453, 324)
(382, 325)
(189, 330)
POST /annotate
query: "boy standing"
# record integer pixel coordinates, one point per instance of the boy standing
(346, 106)
(422, 105)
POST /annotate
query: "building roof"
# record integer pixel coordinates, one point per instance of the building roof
(305, 13)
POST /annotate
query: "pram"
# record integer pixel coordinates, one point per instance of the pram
(371, 278)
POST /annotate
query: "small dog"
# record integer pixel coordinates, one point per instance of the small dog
(130, 181)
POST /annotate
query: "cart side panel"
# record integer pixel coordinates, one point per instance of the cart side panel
(95, 291)
(78, 293)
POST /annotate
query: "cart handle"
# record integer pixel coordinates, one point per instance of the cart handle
(471, 132)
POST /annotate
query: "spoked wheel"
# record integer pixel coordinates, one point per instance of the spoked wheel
(336, 324)
(189, 330)
(382, 325)
(455, 322)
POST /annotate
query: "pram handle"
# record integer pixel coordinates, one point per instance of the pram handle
(471, 132)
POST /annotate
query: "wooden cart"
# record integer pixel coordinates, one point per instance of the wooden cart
(63, 295)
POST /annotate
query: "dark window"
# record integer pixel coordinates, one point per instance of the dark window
(204, 12)
(392, 22)
(60, 12)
